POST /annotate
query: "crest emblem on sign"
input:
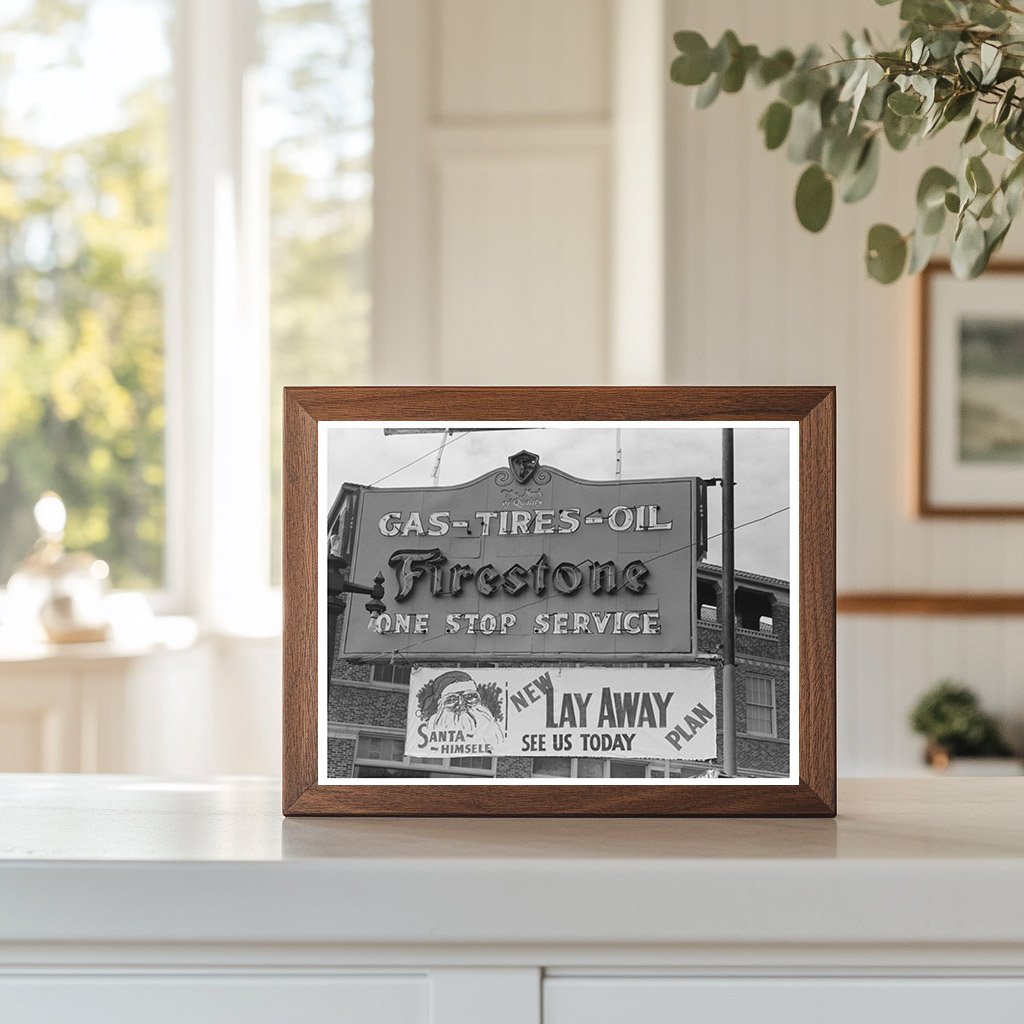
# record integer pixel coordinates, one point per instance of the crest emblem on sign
(523, 465)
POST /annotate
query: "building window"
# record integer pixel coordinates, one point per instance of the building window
(388, 673)
(707, 601)
(605, 768)
(381, 748)
(761, 717)
(482, 764)
(752, 608)
(553, 767)
(590, 767)
(383, 756)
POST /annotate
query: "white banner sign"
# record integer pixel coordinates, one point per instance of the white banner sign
(562, 712)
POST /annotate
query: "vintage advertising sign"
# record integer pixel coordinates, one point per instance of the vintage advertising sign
(562, 712)
(528, 562)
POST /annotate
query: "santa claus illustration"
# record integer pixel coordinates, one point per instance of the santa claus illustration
(453, 702)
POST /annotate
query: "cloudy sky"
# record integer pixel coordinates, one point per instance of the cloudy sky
(366, 456)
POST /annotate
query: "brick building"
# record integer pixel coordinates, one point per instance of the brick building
(367, 703)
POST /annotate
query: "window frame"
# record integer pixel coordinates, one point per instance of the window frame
(656, 769)
(216, 349)
(774, 706)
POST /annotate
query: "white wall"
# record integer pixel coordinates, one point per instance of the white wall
(754, 299)
(519, 239)
(495, 209)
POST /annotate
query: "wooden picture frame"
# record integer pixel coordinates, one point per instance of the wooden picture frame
(941, 488)
(807, 412)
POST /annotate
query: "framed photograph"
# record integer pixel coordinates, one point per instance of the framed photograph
(970, 444)
(559, 601)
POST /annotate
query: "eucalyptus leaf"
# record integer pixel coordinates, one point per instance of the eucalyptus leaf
(1014, 192)
(930, 12)
(771, 69)
(691, 68)
(828, 105)
(794, 88)
(724, 51)
(867, 74)
(973, 130)
(1013, 186)
(775, 124)
(968, 248)
(991, 60)
(886, 253)
(934, 121)
(993, 138)
(865, 173)
(840, 152)
(978, 176)
(873, 106)
(966, 187)
(904, 103)
(687, 41)
(707, 93)
(814, 195)
(958, 105)
(922, 247)
(987, 15)
(925, 87)
(900, 130)
(944, 44)
(735, 74)
(805, 133)
(932, 220)
(931, 190)
(1005, 105)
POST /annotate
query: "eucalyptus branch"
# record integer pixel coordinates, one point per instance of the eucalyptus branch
(955, 59)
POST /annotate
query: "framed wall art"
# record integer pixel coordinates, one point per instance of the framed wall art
(970, 425)
(559, 601)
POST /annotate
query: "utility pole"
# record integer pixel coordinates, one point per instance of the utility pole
(436, 475)
(728, 608)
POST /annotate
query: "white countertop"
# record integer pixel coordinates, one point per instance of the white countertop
(121, 859)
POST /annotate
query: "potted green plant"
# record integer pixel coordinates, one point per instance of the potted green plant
(951, 719)
(955, 62)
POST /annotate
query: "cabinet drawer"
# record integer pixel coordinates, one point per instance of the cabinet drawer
(626, 1000)
(202, 999)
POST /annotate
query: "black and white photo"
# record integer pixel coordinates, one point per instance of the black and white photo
(538, 602)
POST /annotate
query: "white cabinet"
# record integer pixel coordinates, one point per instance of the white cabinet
(826, 1000)
(204, 999)
(130, 898)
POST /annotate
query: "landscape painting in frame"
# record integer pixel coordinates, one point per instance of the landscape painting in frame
(539, 603)
(971, 452)
(992, 390)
